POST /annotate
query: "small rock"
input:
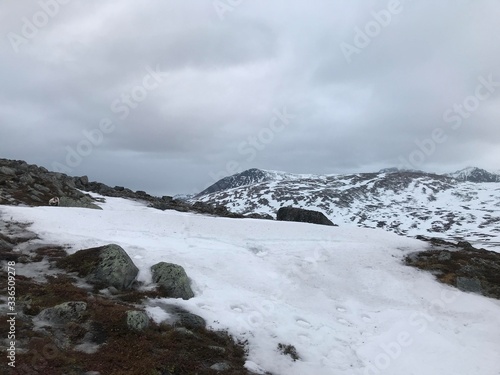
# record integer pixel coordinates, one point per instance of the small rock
(184, 331)
(64, 313)
(84, 180)
(222, 366)
(191, 321)
(219, 349)
(137, 320)
(468, 284)
(444, 255)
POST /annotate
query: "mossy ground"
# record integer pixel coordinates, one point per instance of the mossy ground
(161, 349)
(467, 262)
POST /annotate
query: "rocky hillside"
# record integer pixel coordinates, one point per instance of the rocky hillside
(26, 184)
(406, 202)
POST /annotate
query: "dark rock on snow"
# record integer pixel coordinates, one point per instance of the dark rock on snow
(301, 215)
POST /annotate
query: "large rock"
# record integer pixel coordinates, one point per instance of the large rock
(173, 280)
(302, 215)
(105, 266)
(7, 171)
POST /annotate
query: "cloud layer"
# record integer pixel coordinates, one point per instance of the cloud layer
(188, 92)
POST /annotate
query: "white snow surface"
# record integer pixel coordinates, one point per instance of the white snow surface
(340, 295)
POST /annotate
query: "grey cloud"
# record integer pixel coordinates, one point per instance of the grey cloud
(224, 78)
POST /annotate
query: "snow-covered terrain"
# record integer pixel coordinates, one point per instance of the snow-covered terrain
(408, 203)
(340, 295)
(475, 174)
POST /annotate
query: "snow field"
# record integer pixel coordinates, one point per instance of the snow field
(340, 295)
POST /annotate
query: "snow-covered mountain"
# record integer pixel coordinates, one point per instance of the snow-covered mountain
(248, 177)
(474, 174)
(405, 202)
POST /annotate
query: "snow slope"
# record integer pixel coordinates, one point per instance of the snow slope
(340, 295)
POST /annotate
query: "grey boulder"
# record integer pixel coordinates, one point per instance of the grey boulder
(173, 280)
(104, 266)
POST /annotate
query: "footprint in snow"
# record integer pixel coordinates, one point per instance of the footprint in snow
(344, 322)
(366, 318)
(303, 323)
(204, 307)
(237, 308)
(304, 338)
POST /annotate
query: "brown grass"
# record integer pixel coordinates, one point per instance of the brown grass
(159, 350)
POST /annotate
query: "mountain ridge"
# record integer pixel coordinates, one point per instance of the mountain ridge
(256, 175)
(405, 202)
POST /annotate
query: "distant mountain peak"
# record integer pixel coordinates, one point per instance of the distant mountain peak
(248, 177)
(475, 174)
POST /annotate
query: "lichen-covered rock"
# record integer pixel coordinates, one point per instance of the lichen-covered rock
(191, 321)
(64, 313)
(137, 320)
(83, 202)
(173, 280)
(104, 266)
(469, 284)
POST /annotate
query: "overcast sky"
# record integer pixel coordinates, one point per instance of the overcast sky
(169, 96)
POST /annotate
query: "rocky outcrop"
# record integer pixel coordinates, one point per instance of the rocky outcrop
(103, 266)
(303, 216)
(22, 183)
(172, 280)
(461, 265)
